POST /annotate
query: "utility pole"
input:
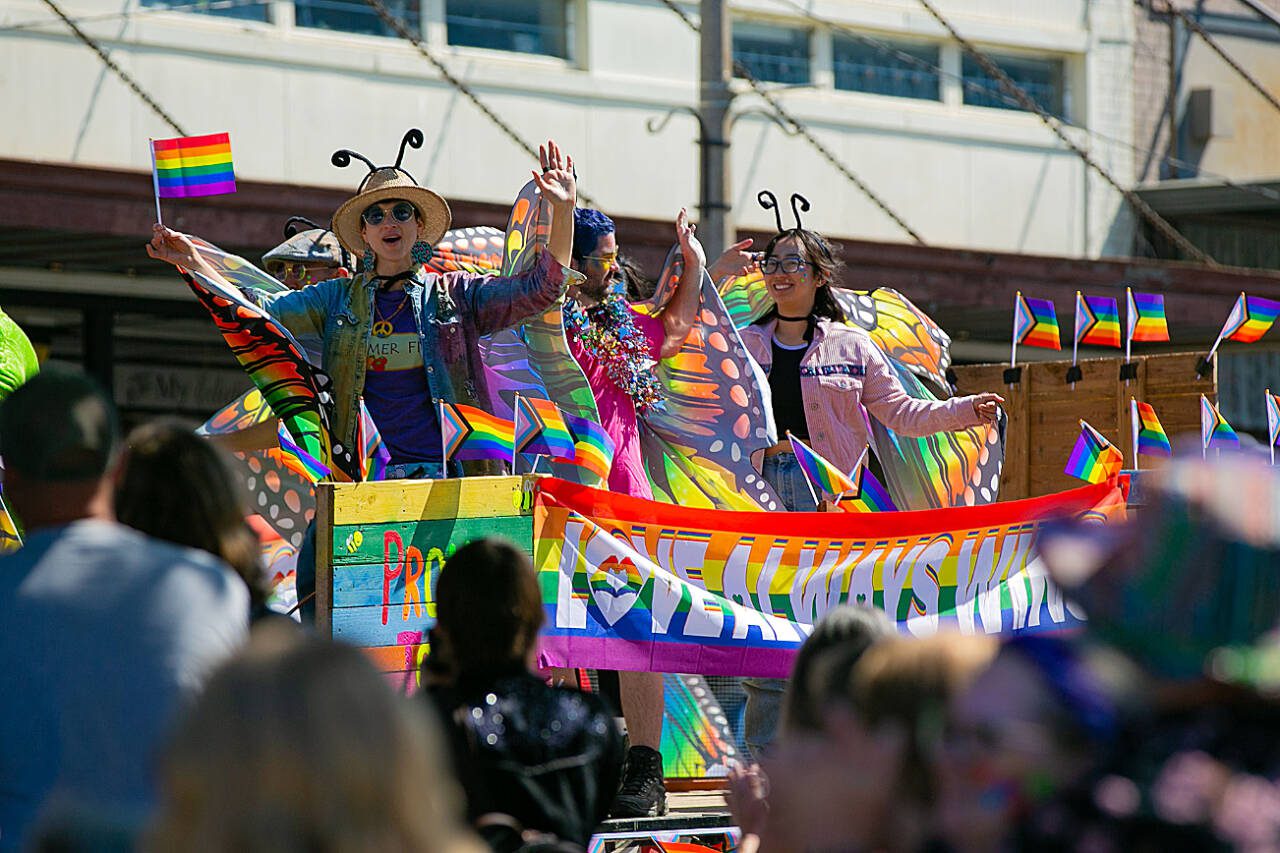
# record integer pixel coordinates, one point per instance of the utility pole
(714, 95)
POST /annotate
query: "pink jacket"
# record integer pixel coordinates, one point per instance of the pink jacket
(844, 370)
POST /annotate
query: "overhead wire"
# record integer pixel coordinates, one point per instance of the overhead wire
(1195, 27)
(802, 130)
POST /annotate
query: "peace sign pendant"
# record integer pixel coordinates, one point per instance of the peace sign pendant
(382, 329)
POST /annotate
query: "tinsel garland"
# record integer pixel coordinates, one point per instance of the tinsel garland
(608, 331)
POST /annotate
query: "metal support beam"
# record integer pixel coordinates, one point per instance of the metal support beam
(715, 230)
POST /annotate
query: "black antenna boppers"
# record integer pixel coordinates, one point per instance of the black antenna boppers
(342, 158)
(769, 201)
(804, 205)
(413, 138)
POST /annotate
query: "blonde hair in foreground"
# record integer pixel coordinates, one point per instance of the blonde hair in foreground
(299, 745)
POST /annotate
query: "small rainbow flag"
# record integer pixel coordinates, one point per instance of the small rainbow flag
(1093, 459)
(1035, 323)
(1214, 429)
(471, 433)
(1273, 418)
(871, 497)
(825, 477)
(1148, 435)
(1250, 319)
(298, 460)
(1146, 316)
(540, 429)
(1097, 321)
(193, 166)
(374, 455)
(592, 446)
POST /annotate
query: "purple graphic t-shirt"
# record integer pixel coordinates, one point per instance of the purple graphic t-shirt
(395, 383)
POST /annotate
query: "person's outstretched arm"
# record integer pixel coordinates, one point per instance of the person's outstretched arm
(679, 314)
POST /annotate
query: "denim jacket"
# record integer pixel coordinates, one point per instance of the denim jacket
(452, 311)
(844, 370)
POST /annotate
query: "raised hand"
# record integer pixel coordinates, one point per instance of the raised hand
(736, 261)
(557, 182)
(689, 245)
(173, 247)
(987, 406)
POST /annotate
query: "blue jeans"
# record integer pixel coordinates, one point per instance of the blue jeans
(765, 695)
(305, 579)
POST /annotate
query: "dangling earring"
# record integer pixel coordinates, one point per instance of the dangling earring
(368, 261)
(421, 253)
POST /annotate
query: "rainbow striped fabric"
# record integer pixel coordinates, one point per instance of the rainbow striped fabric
(871, 497)
(1093, 459)
(1097, 321)
(471, 433)
(825, 477)
(540, 429)
(1215, 432)
(1146, 316)
(299, 460)
(592, 446)
(1251, 318)
(1273, 418)
(374, 454)
(193, 166)
(1035, 323)
(1149, 435)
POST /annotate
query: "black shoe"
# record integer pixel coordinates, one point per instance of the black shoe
(644, 791)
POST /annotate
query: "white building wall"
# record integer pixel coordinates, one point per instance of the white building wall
(959, 175)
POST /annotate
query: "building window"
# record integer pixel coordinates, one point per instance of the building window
(864, 67)
(247, 10)
(354, 16)
(772, 53)
(518, 26)
(1042, 79)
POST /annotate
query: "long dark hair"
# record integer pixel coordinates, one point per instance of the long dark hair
(822, 259)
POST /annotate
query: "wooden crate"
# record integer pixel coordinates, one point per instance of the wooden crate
(1045, 411)
(380, 547)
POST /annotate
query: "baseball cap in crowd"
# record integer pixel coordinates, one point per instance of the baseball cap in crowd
(60, 426)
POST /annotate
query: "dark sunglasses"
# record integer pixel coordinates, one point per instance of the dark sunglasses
(403, 212)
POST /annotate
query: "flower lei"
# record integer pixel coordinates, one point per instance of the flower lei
(608, 331)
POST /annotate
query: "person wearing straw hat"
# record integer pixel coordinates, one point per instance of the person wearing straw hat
(402, 337)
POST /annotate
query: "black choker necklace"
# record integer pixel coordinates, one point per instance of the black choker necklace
(803, 319)
(388, 280)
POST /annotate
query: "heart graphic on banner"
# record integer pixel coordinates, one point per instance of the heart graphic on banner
(615, 586)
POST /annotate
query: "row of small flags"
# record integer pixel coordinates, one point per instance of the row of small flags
(1035, 322)
(538, 428)
(1095, 459)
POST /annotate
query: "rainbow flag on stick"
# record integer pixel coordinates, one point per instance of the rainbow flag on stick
(1035, 324)
(1093, 459)
(872, 496)
(1145, 321)
(1097, 322)
(1148, 435)
(470, 433)
(1214, 430)
(823, 477)
(193, 166)
(1250, 318)
(298, 460)
(592, 446)
(540, 429)
(1273, 423)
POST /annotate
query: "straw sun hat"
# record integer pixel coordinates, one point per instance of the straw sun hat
(382, 184)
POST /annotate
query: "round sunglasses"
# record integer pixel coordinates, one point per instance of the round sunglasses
(403, 212)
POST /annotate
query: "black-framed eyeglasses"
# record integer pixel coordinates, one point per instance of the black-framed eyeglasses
(789, 264)
(403, 212)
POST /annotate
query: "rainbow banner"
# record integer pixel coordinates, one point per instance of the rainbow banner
(1093, 459)
(1146, 321)
(471, 433)
(1148, 435)
(823, 477)
(1035, 323)
(1097, 321)
(540, 429)
(190, 166)
(631, 584)
(1215, 432)
(592, 446)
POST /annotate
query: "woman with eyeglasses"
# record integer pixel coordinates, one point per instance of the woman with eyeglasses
(822, 373)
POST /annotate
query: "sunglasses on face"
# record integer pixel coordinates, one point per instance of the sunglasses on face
(282, 270)
(403, 212)
(605, 261)
(789, 264)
